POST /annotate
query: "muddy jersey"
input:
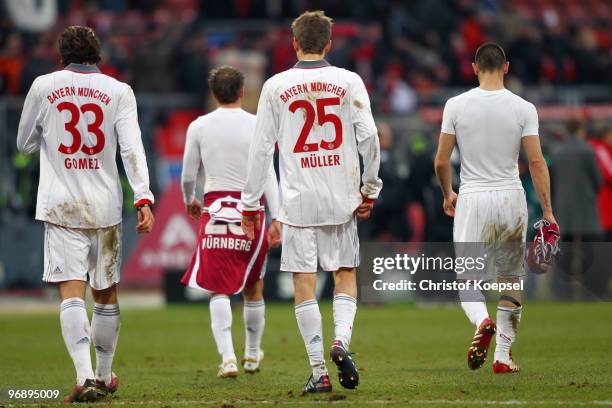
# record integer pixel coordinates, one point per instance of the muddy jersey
(320, 117)
(76, 118)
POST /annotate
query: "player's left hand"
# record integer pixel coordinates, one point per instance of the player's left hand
(274, 234)
(145, 220)
(249, 225)
(194, 209)
(449, 204)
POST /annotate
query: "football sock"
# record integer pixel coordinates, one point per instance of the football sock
(508, 319)
(254, 314)
(309, 321)
(474, 306)
(75, 330)
(475, 311)
(221, 323)
(105, 324)
(345, 307)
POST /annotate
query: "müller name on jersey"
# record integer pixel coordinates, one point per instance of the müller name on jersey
(80, 91)
(312, 161)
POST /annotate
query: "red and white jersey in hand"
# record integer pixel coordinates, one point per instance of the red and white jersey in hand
(321, 119)
(76, 118)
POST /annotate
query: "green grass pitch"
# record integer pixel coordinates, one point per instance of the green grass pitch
(408, 356)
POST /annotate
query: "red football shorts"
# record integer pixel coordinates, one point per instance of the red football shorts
(225, 261)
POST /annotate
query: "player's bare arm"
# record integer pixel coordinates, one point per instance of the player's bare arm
(443, 172)
(539, 175)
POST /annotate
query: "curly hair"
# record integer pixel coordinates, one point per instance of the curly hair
(80, 45)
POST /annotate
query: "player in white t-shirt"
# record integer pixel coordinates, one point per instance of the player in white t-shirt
(77, 117)
(218, 145)
(320, 117)
(489, 124)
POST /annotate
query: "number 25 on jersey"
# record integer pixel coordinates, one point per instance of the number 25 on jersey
(302, 146)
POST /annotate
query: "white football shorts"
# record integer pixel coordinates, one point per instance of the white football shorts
(92, 255)
(331, 246)
(492, 224)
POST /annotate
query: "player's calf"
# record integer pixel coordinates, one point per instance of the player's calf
(508, 318)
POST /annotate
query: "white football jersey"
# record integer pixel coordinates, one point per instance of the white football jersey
(321, 119)
(76, 117)
(488, 126)
(219, 142)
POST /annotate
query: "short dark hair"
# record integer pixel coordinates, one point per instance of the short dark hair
(490, 57)
(312, 31)
(226, 83)
(80, 45)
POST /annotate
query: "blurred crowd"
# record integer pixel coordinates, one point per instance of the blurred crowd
(403, 49)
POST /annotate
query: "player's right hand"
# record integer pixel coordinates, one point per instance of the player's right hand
(145, 220)
(274, 234)
(194, 209)
(449, 204)
(249, 223)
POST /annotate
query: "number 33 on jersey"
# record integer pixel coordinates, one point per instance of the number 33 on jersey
(76, 118)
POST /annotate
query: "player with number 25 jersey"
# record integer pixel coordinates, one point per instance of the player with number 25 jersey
(320, 117)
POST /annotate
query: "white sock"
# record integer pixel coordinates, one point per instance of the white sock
(75, 330)
(476, 312)
(309, 321)
(345, 307)
(474, 305)
(508, 319)
(221, 323)
(105, 324)
(254, 313)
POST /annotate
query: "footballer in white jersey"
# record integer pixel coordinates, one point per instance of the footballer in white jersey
(76, 118)
(320, 118)
(224, 262)
(489, 124)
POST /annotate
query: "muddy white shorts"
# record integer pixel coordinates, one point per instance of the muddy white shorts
(92, 255)
(493, 225)
(331, 246)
